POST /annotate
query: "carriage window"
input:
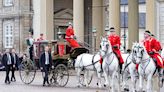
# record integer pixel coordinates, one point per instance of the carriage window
(8, 34)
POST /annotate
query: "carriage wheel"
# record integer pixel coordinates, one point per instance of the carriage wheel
(27, 71)
(60, 75)
(90, 77)
(52, 77)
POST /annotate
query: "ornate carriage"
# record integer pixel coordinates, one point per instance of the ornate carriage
(62, 55)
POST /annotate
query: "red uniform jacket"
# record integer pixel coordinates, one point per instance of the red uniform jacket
(69, 37)
(152, 45)
(115, 41)
(69, 32)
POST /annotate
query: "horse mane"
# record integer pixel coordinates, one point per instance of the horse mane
(142, 45)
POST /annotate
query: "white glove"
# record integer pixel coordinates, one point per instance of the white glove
(14, 66)
(52, 67)
(72, 36)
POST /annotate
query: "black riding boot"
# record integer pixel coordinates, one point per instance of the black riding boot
(160, 72)
(101, 69)
(120, 68)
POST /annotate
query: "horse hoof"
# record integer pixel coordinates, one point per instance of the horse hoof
(104, 85)
(97, 84)
(161, 83)
(126, 89)
(78, 86)
(86, 86)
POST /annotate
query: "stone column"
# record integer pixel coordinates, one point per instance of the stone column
(43, 18)
(133, 24)
(78, 19)
(97, 19)
(151, 15)
(114, 15)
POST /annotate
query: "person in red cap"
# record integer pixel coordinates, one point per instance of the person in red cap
(152, 47)
(115, 42)
(70, 37)
(41, 38)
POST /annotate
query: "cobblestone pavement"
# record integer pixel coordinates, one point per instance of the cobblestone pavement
(36, 85)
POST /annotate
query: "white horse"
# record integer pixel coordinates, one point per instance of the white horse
(110, 63)
(129, 70)
(86, 62)
(147, 66)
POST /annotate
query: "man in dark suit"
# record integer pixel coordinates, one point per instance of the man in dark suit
(6, 60)
(45, 64)
(15, 61)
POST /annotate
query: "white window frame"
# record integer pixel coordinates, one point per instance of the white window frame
(8, 2)
(8, 34)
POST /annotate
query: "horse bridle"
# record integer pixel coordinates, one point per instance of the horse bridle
(141, 57)
(106, 54)
(141, 52)
(106, 47)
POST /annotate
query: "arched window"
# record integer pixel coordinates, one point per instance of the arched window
(8, 38)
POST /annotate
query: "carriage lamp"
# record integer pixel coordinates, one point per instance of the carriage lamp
(94, 32)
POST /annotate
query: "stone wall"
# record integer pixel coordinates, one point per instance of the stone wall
(19, 12)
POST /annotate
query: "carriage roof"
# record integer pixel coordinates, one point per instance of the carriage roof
(45, 42)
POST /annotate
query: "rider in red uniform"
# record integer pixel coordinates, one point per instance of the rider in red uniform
(159, 46)
(115, 42)
(70, 37)
(153, 46)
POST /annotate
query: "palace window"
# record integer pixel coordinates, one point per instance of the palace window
(8, 34)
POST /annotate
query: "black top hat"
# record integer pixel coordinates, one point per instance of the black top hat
(152, 35)
(148, 32)
(106, 29)
(112, 29)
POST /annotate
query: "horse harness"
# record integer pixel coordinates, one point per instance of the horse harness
(93, 63)
(111, 60)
